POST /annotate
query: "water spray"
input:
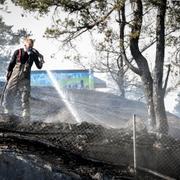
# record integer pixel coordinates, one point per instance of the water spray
(63, 96)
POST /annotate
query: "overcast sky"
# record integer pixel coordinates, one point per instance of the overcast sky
(47, 47)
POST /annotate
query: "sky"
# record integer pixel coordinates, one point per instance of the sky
(54, 57)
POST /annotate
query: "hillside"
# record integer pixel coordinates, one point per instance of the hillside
(90, 149)
(105, 109)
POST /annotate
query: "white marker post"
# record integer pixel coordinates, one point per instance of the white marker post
(134, 142)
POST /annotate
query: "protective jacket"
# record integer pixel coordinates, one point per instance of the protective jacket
(25, 57)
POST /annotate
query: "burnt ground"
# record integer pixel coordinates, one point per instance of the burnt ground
(100, 148)
(91, 106)
(99, 108)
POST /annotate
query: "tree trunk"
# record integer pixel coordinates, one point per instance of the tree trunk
(153, 88)
(148, 90)
(147, 82)
(161, 118)
(122, 21)
(142, 65)
(120, 82)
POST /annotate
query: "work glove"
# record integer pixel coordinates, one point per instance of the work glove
(41, 59)
(8, 75)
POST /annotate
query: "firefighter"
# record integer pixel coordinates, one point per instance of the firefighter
(18, 77)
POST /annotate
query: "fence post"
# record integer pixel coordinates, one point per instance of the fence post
(134, 142)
